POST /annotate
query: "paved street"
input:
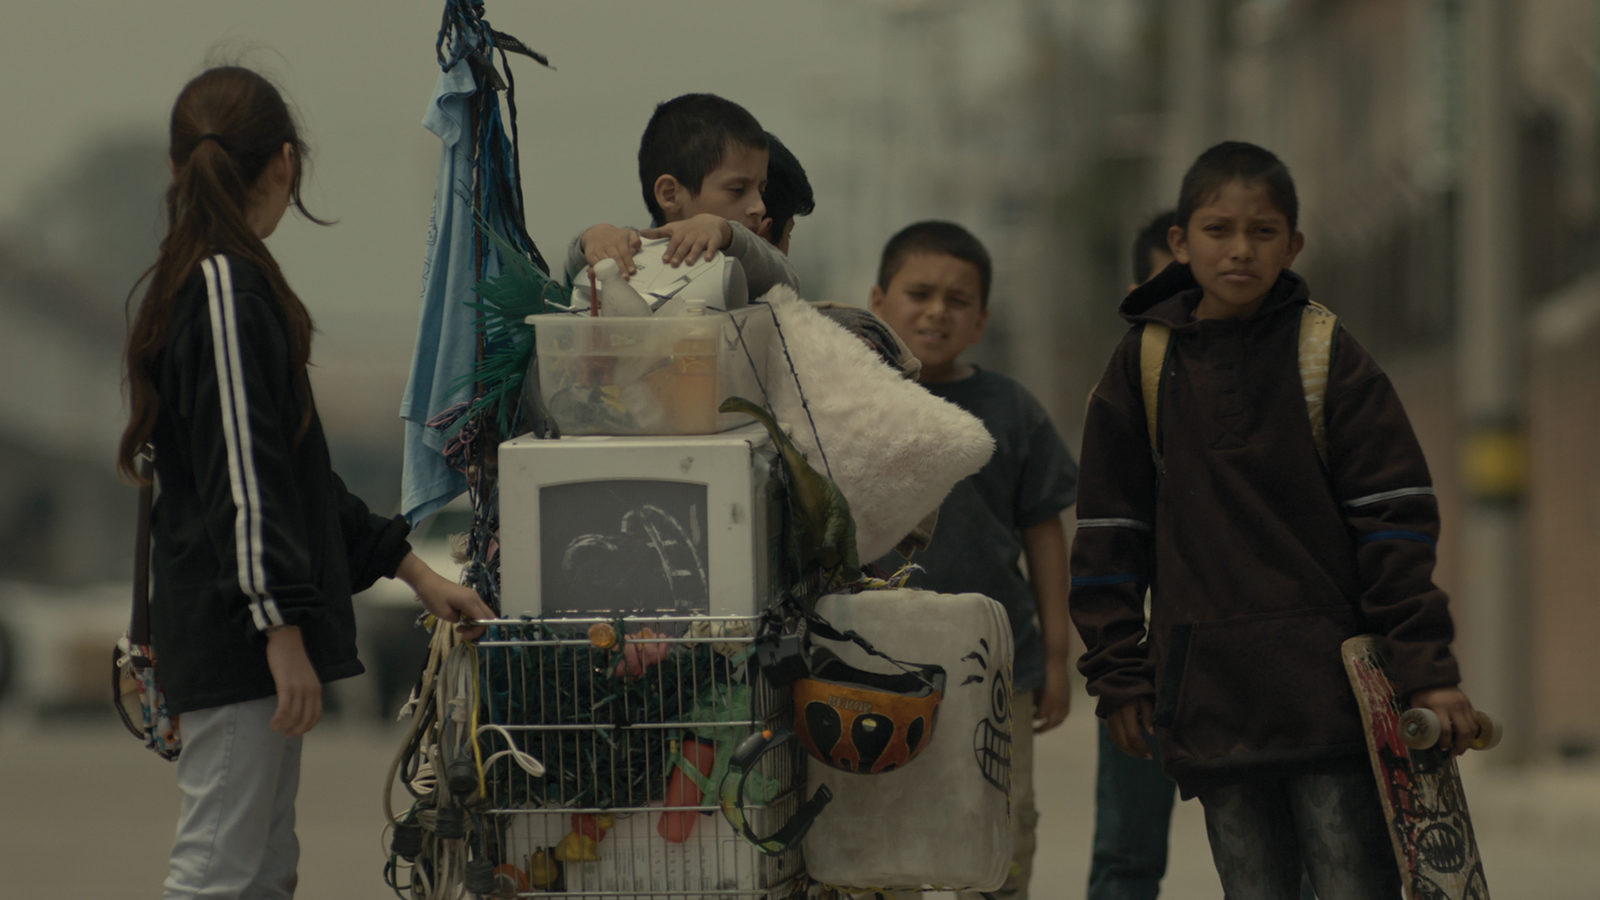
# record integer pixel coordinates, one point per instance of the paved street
(88, 814)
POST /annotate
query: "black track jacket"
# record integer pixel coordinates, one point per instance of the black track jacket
(251, 527)
(1260, 562)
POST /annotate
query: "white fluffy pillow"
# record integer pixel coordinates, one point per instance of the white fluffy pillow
(894, 449)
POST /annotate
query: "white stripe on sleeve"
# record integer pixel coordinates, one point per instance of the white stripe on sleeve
(248, 544)
(1135, 524)
(1368, 500)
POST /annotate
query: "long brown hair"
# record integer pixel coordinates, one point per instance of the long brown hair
(227, 124)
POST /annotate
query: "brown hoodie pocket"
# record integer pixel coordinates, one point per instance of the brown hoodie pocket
(1252, 686)
(1172, 674)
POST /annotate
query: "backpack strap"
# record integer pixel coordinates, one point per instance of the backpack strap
(1153, 346)
(1318, 325)
(139, 621)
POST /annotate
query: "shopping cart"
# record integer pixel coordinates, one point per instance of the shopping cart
(600, 747)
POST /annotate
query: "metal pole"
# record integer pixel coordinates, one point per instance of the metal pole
(1194, 105)
(1490, 375)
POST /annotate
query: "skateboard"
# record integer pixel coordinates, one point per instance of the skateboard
(1418, 785)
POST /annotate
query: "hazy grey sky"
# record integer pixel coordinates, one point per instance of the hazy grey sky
(360, 74)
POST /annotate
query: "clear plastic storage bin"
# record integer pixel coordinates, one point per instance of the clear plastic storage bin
(650, 375)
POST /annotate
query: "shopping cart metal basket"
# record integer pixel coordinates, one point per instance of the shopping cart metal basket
(634, 721)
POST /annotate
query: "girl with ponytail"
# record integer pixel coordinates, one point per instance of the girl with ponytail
(256, 544)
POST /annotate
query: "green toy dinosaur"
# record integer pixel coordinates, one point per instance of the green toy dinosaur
(826, 532)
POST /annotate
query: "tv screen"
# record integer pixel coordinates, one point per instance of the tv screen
(624, 546)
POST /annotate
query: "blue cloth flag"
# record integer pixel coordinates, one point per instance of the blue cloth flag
(442, 363)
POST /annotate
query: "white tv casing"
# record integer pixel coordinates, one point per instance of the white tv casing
(572, 510)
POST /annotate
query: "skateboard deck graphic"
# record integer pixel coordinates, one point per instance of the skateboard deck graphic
(1421, 791)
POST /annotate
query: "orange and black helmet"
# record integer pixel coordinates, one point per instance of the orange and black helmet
(865, 722)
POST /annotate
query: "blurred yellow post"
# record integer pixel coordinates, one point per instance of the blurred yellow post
(1490, 375)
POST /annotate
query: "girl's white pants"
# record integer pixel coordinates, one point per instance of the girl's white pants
(238, 779)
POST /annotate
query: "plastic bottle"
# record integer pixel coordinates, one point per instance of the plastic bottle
(694, 371)
(617, 296)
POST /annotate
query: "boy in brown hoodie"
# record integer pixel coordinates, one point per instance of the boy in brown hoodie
(1259, 557)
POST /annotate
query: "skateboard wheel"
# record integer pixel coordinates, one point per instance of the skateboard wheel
(1419, 728)
(1489, 733)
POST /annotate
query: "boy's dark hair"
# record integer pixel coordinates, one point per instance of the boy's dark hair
(1237, 161)
(788, 192)
(937, 238)
(686, 138)
(1152, 237)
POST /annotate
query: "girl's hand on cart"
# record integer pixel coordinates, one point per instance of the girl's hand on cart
(299, 688)
(449, 601)
(453, 602)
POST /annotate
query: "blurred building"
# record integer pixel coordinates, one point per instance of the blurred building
(1002, 116)
(1054, 128)
(64, 516)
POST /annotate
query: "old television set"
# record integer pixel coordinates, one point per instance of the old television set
(603, 526)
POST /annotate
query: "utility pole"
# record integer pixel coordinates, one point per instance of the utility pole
(1194, 111)
(1490, 374)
